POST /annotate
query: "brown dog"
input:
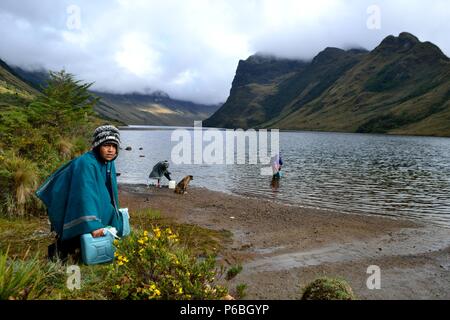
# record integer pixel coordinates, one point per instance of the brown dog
(182, 185)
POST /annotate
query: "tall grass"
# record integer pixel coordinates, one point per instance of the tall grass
(19, 178)
(25, 279)
(79, 146)
(64, 148)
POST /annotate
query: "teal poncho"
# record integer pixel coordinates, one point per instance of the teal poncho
(78, 199)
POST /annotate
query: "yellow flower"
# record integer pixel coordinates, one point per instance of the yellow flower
(116, 254)
(117, 286)
(141, 241)
(180, 290)
(145, 233)
(157, 292)
(122, 259)
(157, 232)
(116, 242)
(120, 263)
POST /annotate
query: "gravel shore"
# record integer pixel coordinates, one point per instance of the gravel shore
(283, 247)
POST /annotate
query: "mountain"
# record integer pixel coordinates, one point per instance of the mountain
(156, 108)
(152, 109)
(400, 87)
(13, 89)
(256, 81)
(37, 78)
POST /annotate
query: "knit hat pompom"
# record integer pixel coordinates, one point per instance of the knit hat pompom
(106, 133)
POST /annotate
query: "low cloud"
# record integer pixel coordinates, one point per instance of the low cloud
(190, 49)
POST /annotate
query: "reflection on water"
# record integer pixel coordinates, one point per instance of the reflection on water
(389, 175)
(275, 184)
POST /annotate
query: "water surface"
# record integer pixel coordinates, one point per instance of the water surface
(373, 174)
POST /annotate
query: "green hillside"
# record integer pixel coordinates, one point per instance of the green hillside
(155, 108)
(400, 87)
(13, 90)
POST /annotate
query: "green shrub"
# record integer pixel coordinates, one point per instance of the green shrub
(26, 279)
(152, 265)
(240, 290)
(233, 272)
(328, 289)
(41, 135)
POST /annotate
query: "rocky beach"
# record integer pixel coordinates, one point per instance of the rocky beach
(283, 247)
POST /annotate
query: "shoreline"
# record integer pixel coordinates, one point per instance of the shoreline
(157, 127)
(282, 247)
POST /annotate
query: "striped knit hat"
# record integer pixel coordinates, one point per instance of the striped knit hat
(104, 134)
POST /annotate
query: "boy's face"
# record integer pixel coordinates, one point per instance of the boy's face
(108, 151)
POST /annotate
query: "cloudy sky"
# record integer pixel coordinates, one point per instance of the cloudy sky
(190, 49)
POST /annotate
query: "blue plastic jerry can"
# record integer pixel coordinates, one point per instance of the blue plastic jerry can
(126, 221)
(97, 250)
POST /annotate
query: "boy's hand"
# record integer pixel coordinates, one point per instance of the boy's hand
(97, 233)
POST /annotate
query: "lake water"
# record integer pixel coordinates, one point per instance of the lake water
(372, 174)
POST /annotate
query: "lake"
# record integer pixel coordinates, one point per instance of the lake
(363, 173)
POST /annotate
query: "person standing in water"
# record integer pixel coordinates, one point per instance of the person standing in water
(276, 162)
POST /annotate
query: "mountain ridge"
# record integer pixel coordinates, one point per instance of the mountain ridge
(400, 87)
(156, 108)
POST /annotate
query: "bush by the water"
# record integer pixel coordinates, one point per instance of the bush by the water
(233, 271)
(328, 289)
(153, 265)
(39, 136)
